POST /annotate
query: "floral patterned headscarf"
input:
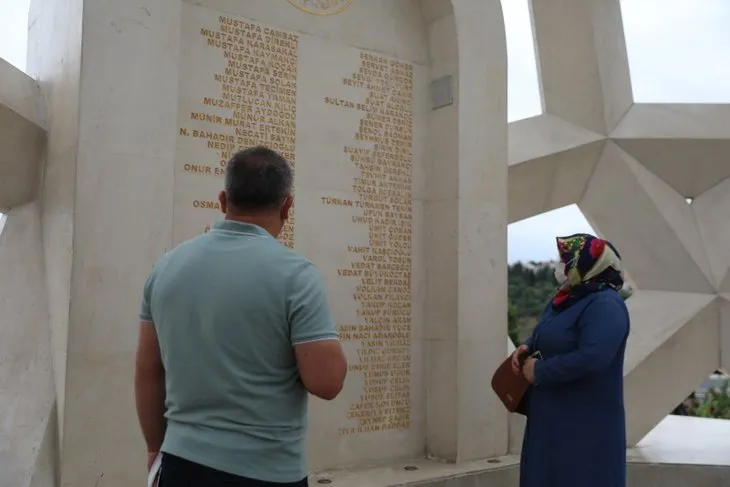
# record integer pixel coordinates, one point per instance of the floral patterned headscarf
(591, 265)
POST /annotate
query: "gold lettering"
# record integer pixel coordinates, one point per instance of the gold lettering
(206, 205)
(381, 265)
(254, 102)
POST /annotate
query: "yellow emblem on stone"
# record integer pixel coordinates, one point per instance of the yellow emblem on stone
(321, 7)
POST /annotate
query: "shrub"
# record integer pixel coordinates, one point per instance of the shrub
(716, 404)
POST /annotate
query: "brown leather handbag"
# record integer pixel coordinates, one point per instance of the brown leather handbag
(511, 389)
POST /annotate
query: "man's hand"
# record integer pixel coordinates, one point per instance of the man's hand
(528, 370)
(149, 385)
(151, 457)
(517, 358)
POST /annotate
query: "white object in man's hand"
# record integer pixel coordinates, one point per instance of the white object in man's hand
(152, 477)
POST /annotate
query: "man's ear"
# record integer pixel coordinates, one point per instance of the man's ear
(223, 201)
(286, 207)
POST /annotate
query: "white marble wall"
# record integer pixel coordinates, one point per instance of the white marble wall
(22, 137)
(26, 382)
(54, 60)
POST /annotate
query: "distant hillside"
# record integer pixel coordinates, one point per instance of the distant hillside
(530, 286)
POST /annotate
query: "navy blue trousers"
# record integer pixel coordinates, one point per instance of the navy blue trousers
(178, 472)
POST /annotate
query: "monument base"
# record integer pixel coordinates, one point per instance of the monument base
(680, 451)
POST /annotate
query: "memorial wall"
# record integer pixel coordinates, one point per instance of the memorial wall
(352, 122)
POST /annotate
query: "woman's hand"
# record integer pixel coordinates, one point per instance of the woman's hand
(528, 370)
(517, 358)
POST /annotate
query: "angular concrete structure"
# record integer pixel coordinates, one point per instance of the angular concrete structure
(631, 168)
(112, 152)
(22, 137)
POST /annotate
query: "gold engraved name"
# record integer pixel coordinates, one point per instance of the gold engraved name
(254, 101)
(381, 263)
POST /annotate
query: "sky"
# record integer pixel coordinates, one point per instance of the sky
(678, 53)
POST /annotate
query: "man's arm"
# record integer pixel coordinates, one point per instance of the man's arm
(149, 377)
(149, 387)
(319, 354)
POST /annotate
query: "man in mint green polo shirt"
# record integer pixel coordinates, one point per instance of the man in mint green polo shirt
(235, 330)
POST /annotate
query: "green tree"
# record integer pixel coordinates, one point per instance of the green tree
(529, 287)
(512, 327)
(716, 404)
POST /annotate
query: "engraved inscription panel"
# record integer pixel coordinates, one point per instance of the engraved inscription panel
(351, 116)
(382, 268)
(238, 88)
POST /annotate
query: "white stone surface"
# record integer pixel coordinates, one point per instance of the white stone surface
(582, 61)
(676, 440)
(665, 137)
(22, 137)
(725, 332)
(26, 394)
(690, 331)
(547, 148)
(19, 93)
(54, 60)
(682, 440)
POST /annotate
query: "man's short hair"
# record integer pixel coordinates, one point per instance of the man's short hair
(257, 179)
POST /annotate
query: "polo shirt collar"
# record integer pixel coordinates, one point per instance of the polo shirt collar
(241, 228)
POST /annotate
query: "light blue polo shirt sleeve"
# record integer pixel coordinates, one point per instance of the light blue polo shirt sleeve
(145, 308)
(309, 313)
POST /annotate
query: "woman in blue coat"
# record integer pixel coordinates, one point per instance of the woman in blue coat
(576, 428)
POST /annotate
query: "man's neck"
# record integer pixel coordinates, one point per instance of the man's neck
(266, 222)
